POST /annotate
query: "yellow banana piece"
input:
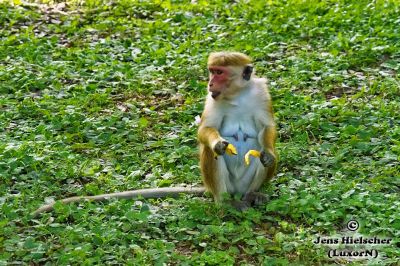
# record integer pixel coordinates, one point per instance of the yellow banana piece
(252, 153)
(231, 150)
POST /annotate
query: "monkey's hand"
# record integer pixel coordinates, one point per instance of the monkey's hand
(266, 158)
(223, 146)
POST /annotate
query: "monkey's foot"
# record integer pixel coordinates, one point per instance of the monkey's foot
(240, 205)
(255, 198)
(267, 159)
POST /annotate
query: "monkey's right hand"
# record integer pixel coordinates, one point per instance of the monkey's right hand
(267, 158)
(223, 146)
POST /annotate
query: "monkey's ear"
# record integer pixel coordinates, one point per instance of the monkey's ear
(247, 72)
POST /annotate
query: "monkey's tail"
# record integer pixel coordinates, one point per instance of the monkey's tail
(149, 193)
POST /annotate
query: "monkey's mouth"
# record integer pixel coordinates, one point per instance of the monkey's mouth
(215, 94)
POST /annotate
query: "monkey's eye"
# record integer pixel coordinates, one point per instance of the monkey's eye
(218, 72)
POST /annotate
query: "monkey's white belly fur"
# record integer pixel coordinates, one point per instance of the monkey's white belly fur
(241, 126)
(234, 175)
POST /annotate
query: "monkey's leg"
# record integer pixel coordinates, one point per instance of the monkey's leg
(259, 198)
(252, 196)
(268, 159)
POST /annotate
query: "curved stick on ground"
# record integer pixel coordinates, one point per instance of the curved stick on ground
(150, 193)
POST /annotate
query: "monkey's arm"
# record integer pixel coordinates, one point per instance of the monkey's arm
(208, 136)
(269, 133)
(150, 193)
(269, 138)
(211, 138)
(268, 155)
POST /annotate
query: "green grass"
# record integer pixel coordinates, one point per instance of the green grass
(103, 97)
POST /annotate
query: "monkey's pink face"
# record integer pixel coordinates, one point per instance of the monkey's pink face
(219, 80)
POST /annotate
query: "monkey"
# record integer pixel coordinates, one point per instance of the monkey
(238, 111)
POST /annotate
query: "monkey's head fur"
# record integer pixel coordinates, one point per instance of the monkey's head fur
(228, 59)
(230, 72)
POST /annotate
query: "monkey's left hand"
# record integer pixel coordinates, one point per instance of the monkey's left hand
(267, 159)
